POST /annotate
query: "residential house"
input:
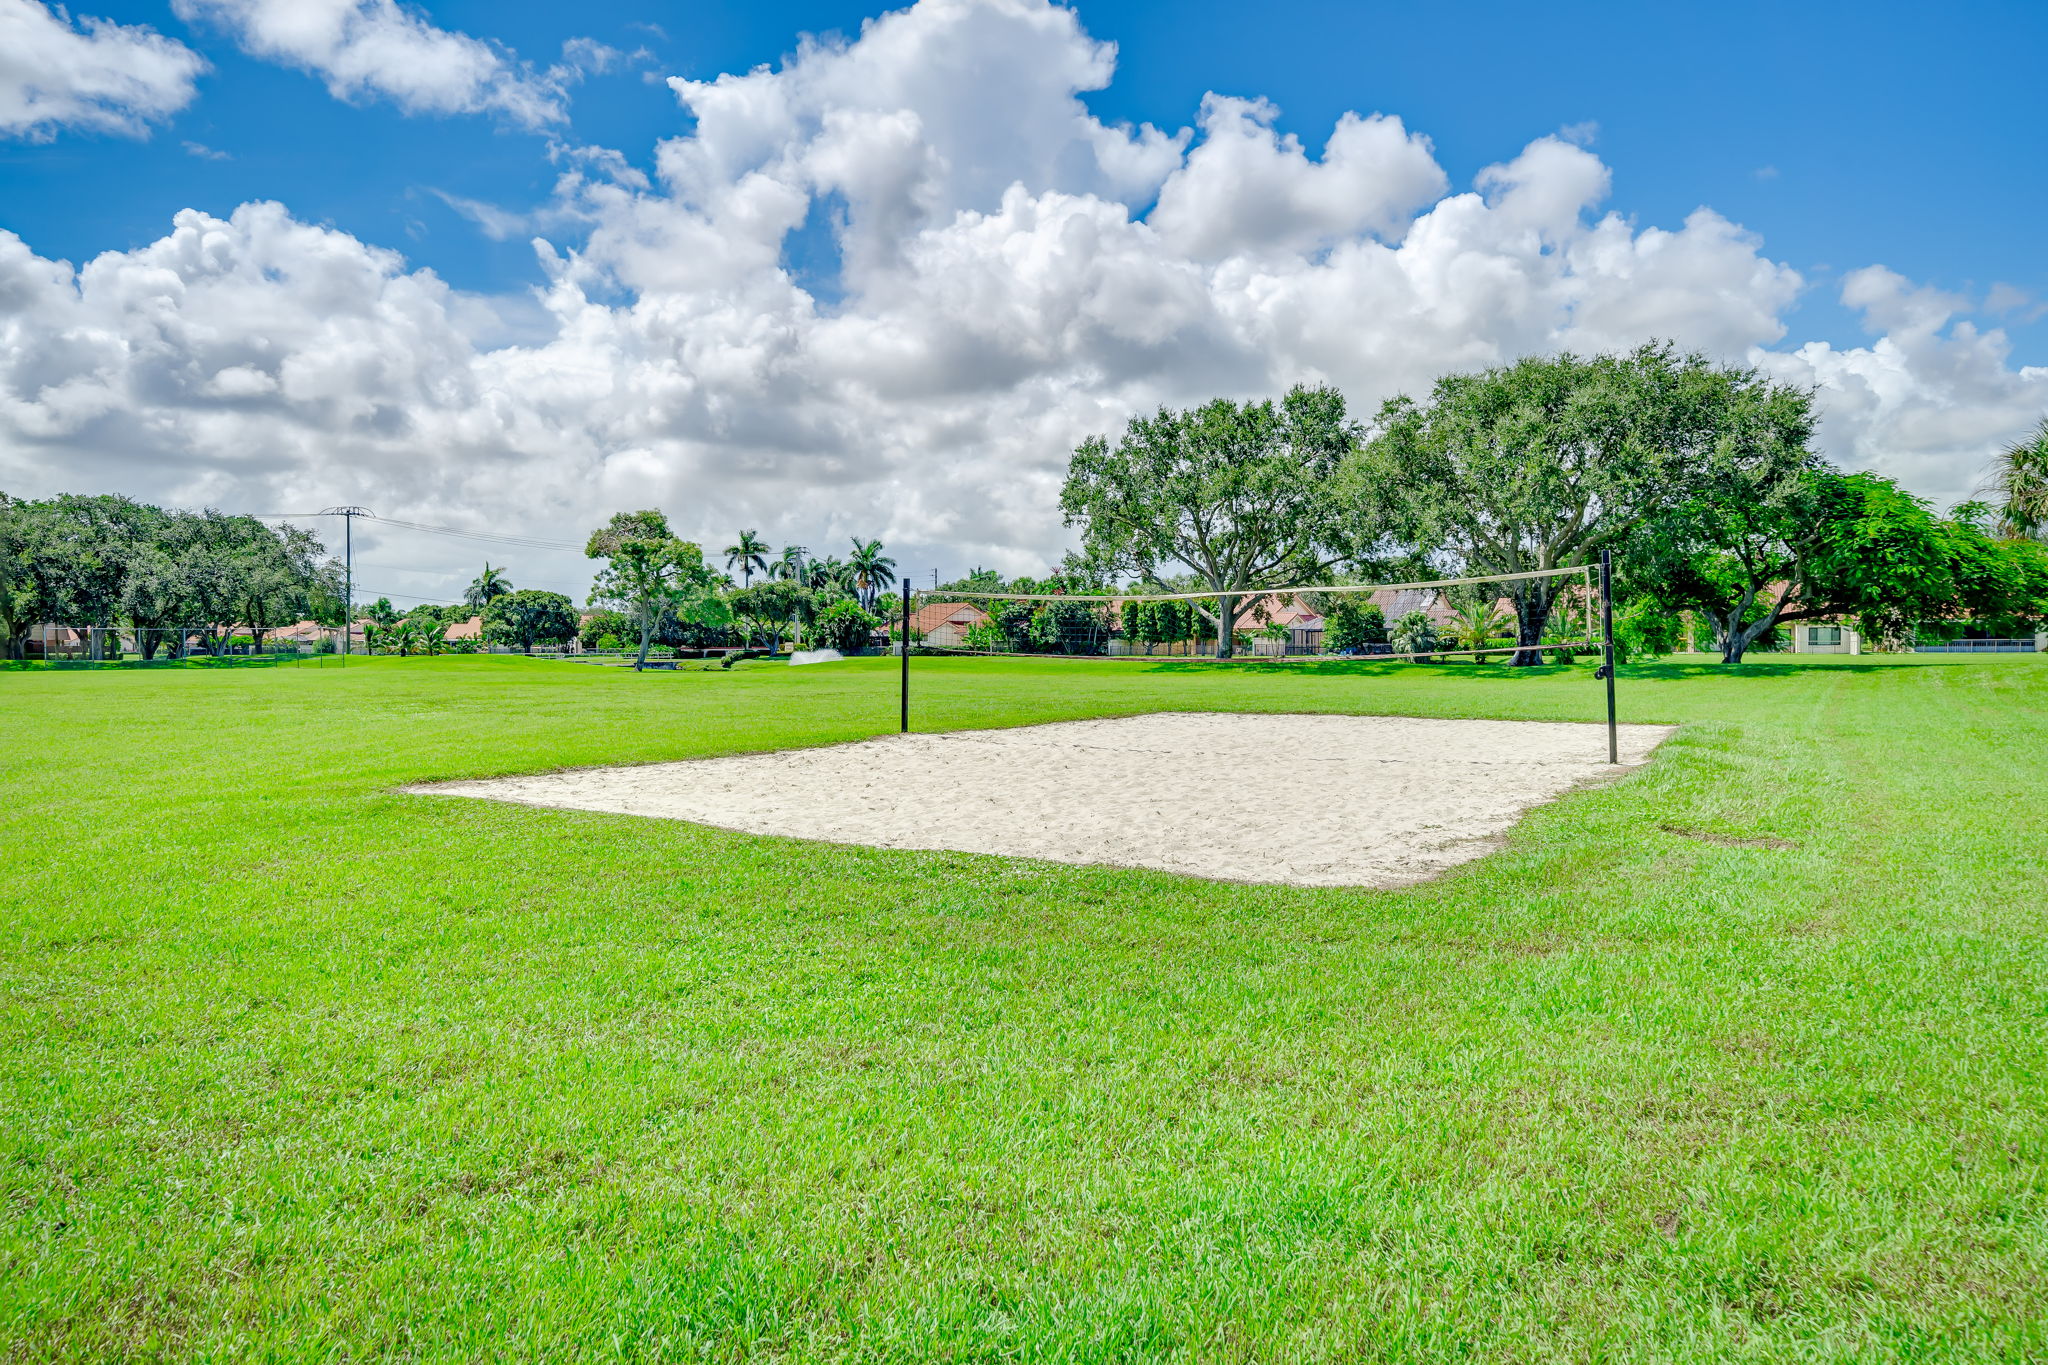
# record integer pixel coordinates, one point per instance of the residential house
(944, 625)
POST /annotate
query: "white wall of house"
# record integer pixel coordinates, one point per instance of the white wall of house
(1821, 637)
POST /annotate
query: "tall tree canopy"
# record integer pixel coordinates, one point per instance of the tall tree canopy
(872, 570)
(1542, 463)
(772, 608)
(652, 576)
(1770, 540)
(20, 594)
(1234, 492)
(487, 587)
(749, 555)
(529, 617)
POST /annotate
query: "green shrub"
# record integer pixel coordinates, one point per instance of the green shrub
(988, 635)
(1414, 633)
(605, 623)
(1353, 625)
(1644, 630)
(844, 626)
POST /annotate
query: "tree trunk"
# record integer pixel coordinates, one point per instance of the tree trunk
(1738, 639)
(1226, 626)
(1532, 613)
(646, 639)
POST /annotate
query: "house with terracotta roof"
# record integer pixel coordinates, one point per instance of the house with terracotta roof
(944, 625)
(1305, 624)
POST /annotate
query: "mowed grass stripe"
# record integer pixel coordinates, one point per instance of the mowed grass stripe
(296, 1066)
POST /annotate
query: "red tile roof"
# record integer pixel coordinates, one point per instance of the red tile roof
(925, 620)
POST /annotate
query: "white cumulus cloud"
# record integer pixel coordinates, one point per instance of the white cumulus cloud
(378, 48)
(1246, 189)
(1930, 399)
(1014, 274)
(87, 73)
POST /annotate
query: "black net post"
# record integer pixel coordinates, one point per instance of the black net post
(904, 644)
(1607, 639)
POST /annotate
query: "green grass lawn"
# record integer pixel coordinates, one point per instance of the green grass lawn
(1739, 1057)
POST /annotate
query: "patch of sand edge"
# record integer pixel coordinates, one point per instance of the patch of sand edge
(1290, 798)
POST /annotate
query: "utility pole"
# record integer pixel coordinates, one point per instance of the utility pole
(348, 517)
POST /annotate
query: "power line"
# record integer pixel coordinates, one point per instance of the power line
(428, 597)
(523, 542)
(489, 537)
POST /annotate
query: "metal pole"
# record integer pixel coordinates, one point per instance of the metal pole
(1607, 637)
(905, 644)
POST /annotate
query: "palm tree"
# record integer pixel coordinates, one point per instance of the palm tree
(830, 572)
(1478, 622)
(2019, 480)
(872, 571)
(749, 554)
(490, 585)
(789, 564)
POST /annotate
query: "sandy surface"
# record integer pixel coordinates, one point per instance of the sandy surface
(1312, 800)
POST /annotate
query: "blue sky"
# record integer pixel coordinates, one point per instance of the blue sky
(827, 320)
(1909, 135)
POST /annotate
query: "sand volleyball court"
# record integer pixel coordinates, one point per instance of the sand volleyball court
(1310, 800)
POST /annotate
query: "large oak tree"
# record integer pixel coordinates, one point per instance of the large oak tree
(1237, 493)
(1540, 464)
(1768, 542)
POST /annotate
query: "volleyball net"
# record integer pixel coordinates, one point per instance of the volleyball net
(1478, 616)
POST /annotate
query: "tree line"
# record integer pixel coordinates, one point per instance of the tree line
(654, 588)
(1701, 478)
(101, 564)
(654, 583)
(179, 579)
